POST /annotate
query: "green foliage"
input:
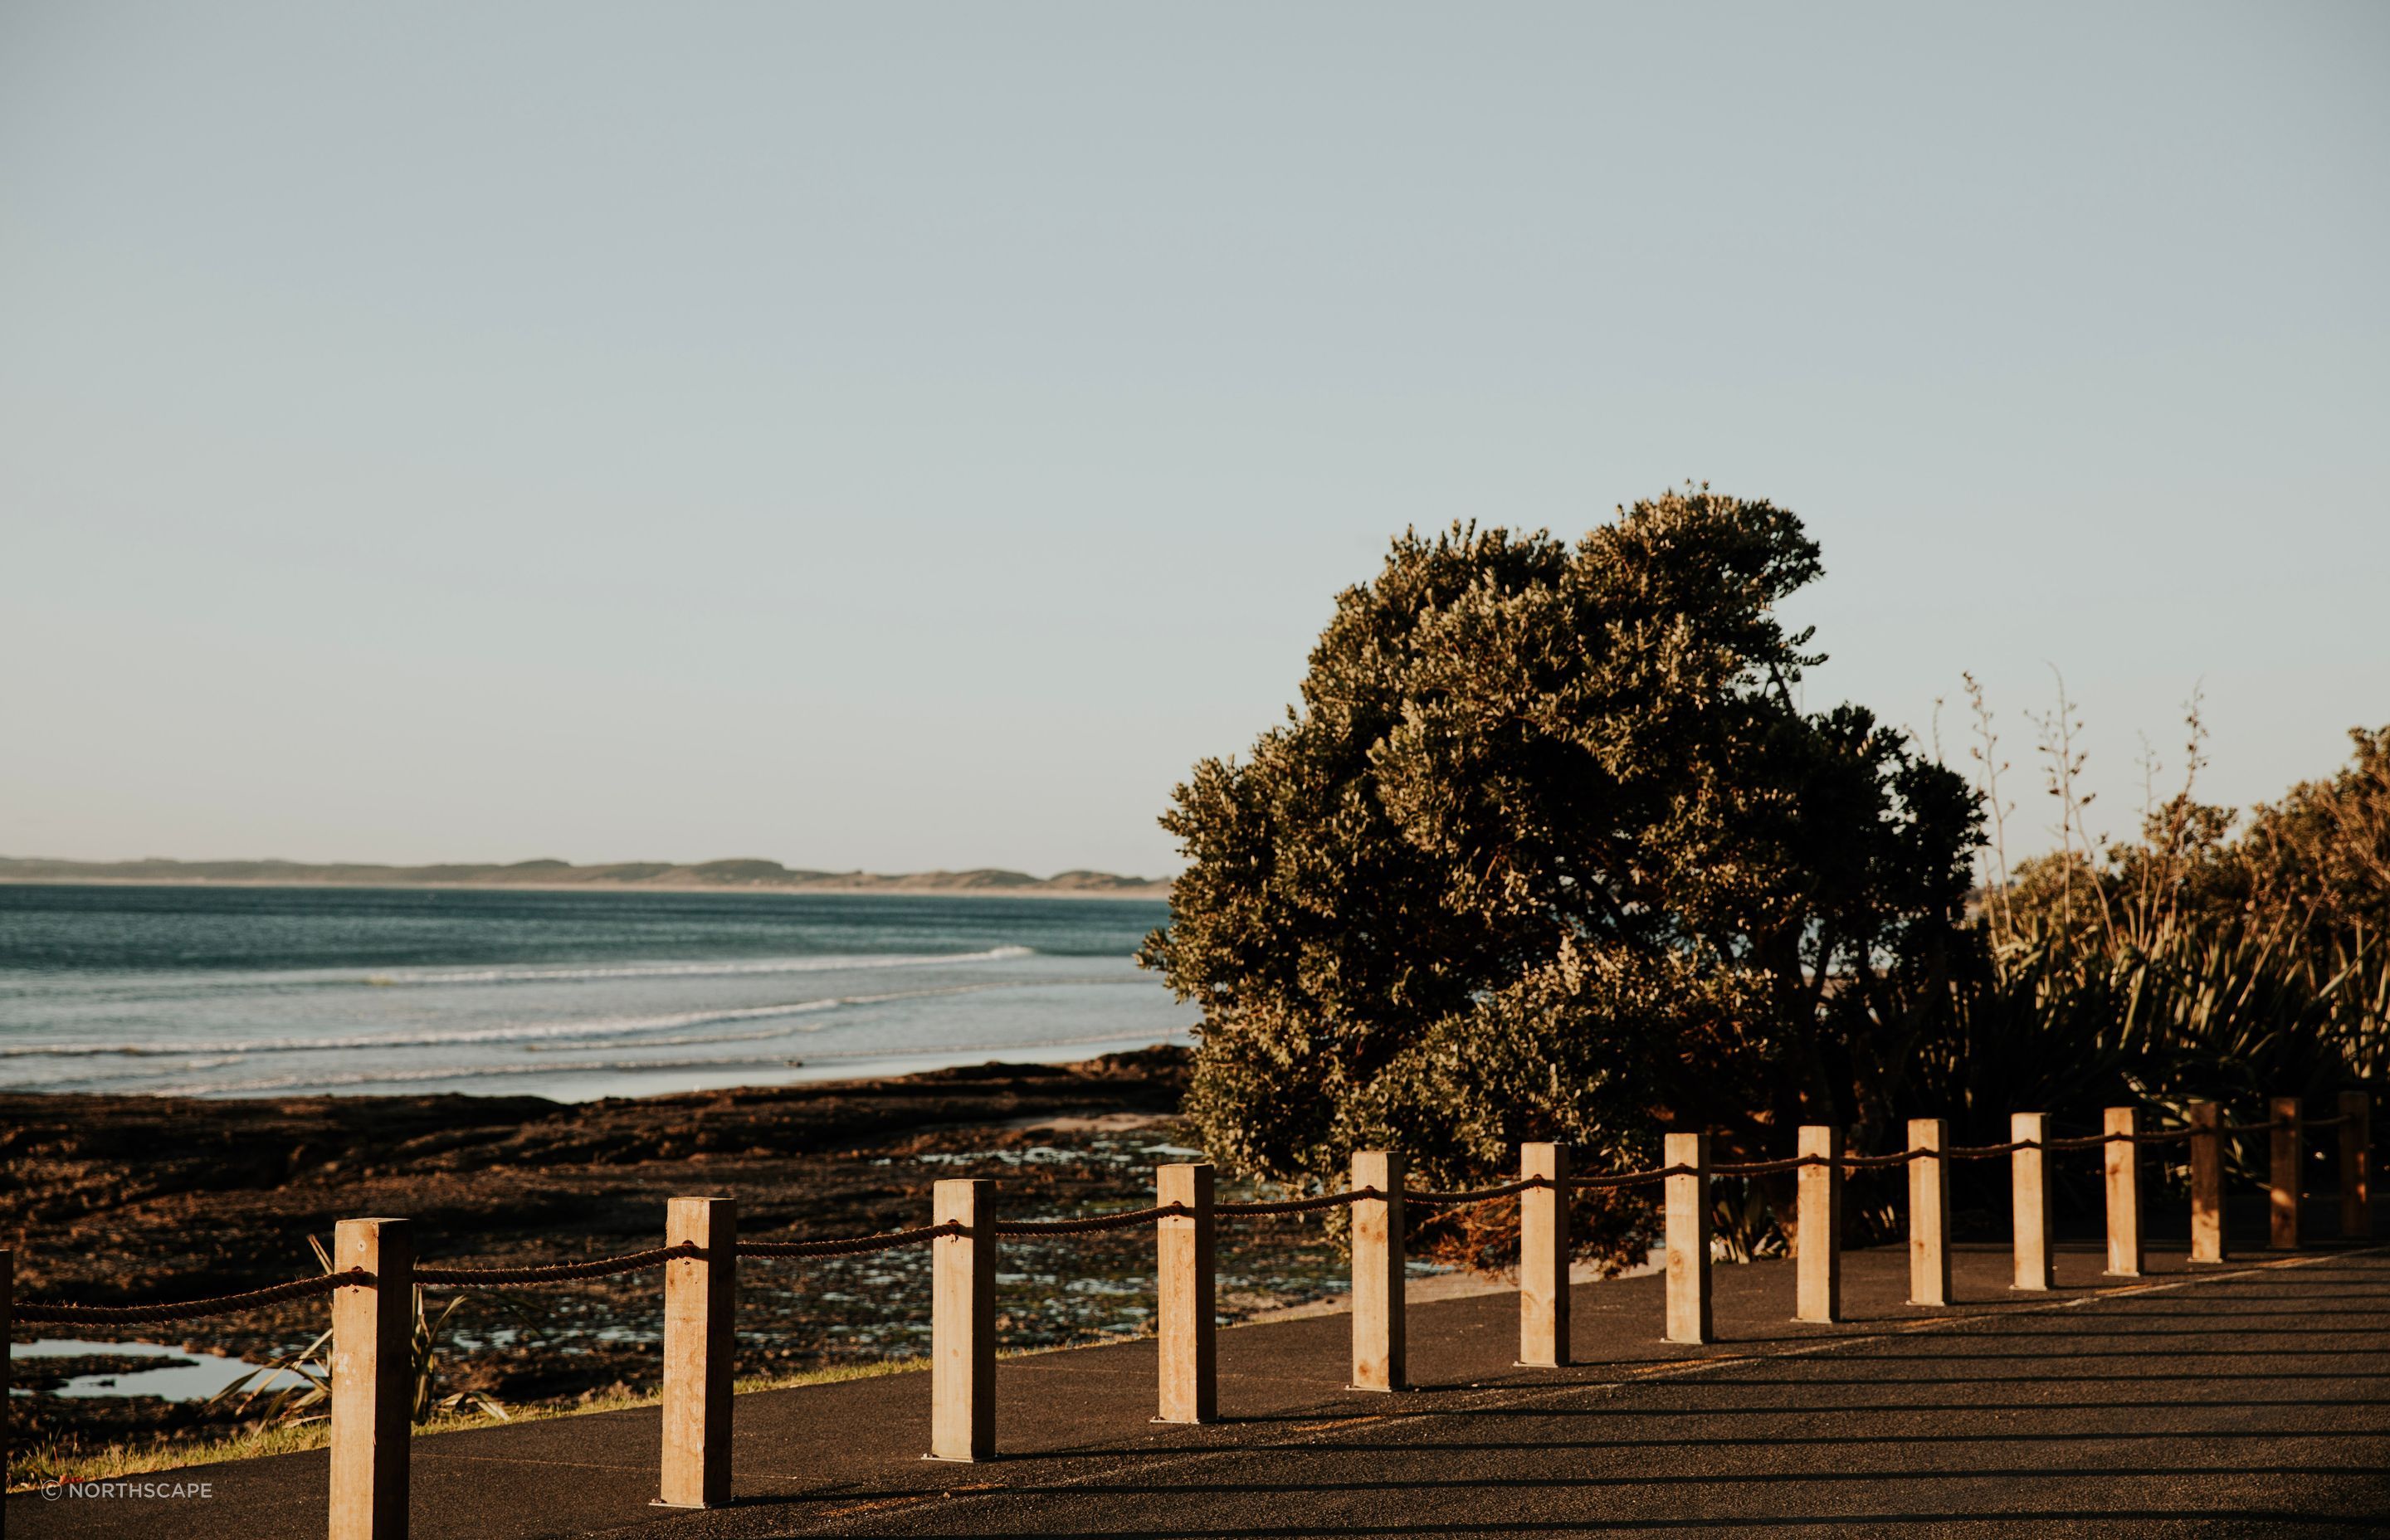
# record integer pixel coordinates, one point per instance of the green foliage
(295, 1388)
(2192, 963)
(2195, 962)
(1550, 851)
(2228, 1012)
(2323, 853)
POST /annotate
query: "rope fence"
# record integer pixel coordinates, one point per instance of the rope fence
(1769, 1168)
(63, 1312)
(1482, 1195)
(1131, 1220)
(67, 1313)
(854, 1247)
(1631, 1179)
(1969, 1152)
(701, 1236)
(1299, 1205)
(561, 1272)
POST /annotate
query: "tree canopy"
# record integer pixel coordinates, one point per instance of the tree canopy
(1550, 848)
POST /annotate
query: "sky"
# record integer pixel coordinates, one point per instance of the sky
(897, 437)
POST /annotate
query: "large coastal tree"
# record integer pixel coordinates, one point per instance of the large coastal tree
(1550, 848)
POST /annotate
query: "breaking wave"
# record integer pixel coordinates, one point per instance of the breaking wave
(694, 969)
(354, 1079)
(618, 1026)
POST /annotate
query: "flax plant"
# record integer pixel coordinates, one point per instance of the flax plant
(2187, 964)
(295, 1388)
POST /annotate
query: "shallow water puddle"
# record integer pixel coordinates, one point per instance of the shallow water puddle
(183, 1375)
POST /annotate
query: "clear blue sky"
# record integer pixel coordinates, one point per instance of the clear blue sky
(891, 436)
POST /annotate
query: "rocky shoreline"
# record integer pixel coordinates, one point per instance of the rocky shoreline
(136, 1200)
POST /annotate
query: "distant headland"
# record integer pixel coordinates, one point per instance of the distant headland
(651, 875)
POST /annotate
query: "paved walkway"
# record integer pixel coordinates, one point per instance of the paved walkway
(2249, 1399)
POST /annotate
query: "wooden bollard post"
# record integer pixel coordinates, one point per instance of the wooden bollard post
(1818, 1230)
(1929, 1213)
(1377, 1273)
(962, 1323)
(2355, 1158)
(1688, 1226)
(700, 1351)
(1183, 1283)
(2206, 1180)
(1544, 1257)
(2289, 1146)
(373, 1352)
(2035, 1260)
(2122, 1160)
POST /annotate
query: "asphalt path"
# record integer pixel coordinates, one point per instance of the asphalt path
(2251, 1402)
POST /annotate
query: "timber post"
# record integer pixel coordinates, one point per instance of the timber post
(2121, 1159)
(700, 1351)
(2036, 1261)
(2288, 1144)
(1544, 1257)
(1928, 1212)
(1688, 1230)
(1186, 1324)
(2206, 1122)
(1818, 1233)
(373, 1353)
(1378, 1272)
(2356, 1161)
(962, 1322)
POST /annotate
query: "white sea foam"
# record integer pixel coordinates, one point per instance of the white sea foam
(353, 1078)
(686, 1041)
(693, 969)
(617, 1026)
(350, 1080)
(185, 990)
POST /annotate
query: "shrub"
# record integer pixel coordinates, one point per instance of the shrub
(1549, 851)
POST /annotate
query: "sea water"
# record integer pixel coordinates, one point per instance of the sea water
(253, 991)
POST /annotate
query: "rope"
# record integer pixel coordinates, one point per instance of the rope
(531, 1277)
(64, 1314)
(2266, 1127)
(1768, 1168)
(855, 1246)
(1482, 1195)
(1870, 1163)
(1299, 1205)
(1087, 1226)
(1986, 1152)
(2168, 1135)
(1632, 1178)
(2327, 1123)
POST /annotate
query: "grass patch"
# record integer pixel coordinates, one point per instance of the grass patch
(41, 1464)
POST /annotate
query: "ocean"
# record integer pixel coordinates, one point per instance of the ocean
(262, 992)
